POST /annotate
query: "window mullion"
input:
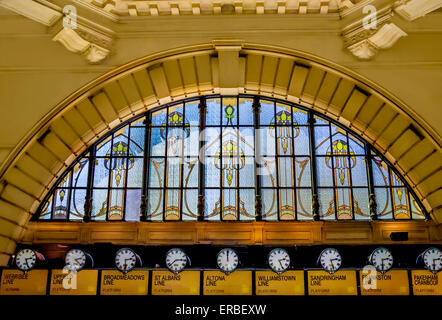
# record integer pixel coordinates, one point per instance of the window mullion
(202, 159)
(313, 171)
(146, 169)
(257, 161)
(372, 195)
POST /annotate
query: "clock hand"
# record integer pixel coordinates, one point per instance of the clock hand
(227, 256)
(279, 260)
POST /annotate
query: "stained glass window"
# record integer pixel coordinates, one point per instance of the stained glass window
(230, 158)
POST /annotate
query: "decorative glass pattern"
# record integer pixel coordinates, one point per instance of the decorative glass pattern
(239, 158)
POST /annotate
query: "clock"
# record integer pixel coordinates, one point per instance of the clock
(432, 259)
(330, 259)
(75, 259)
(382, 259)
(176, 260)
(279, 260)
(227, 260)
(126, 259)
(25, 259)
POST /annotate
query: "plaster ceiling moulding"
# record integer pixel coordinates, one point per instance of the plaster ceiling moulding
(364, 42)
(128, 8)
(72, 41)
(33, 10)
(413, 9)
(385, 38)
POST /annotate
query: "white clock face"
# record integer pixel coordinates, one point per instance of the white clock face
(125, 260)
(25, 259)
(433, 259)
(75, 259)
(382, 259)
(227, 260)
(176, 260)
(279, 260)
(330, 260)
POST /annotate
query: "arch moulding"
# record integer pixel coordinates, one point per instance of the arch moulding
(221, 67)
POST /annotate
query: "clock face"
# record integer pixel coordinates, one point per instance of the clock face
(75, 259)
(433, 259)
(25, 259)
(125, 259)
(279, 260)
(227, 260)
(176, 260)
(382, 259)
(330, 260)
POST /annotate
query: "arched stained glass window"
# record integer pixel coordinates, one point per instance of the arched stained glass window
(223, 158)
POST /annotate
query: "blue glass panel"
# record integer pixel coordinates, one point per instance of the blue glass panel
(267, 112)
(356, 145)
(155, 205)
(319, 120)
(322, 140)
(212, 138)
(286, 172)
(383, 200)
(212, 204)
(324, 171)
(380, 172)
(99, 204)
(304, 204)
(213, 112)
(360, 203)
(269, 204)
(103, 148)
(302, 140)
(133, 201)
(136, 143)
(190, 201)
(191, 141)
(303, 173)
(192, 113)
(80, 177)
(212, 172)
(156, 172)
(135, 173)
(78, 197)
(267, 141)
(247, 173)
(175, 138)
(300, 117)
(358, 171)
(245, 111)
(190, 173)
(326, 204)
(173, 172)
(247, 204)
(157, 142)
(267, 171)
(247, 141)
(159, 117)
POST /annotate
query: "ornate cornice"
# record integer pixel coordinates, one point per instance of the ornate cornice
(214, 7)
(413, 9)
